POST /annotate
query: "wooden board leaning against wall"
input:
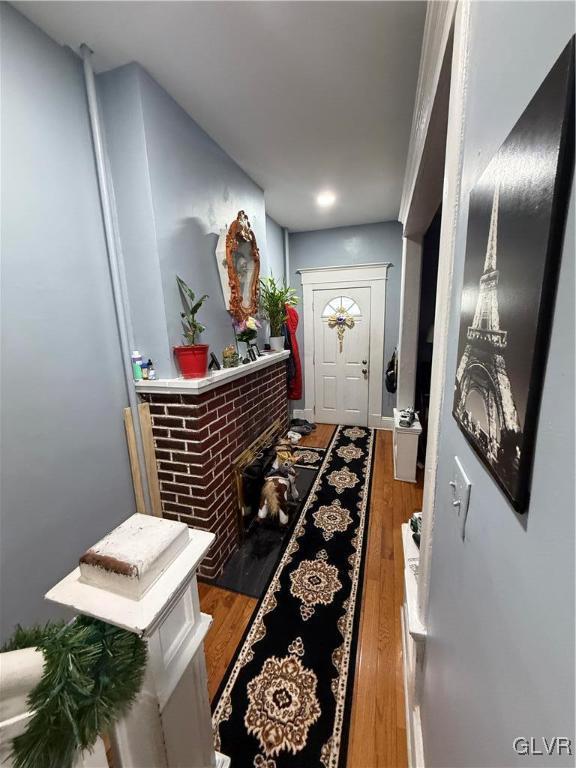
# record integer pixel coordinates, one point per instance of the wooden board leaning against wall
(149, 458)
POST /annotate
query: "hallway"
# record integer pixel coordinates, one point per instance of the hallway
(287, 395)
(378, 732)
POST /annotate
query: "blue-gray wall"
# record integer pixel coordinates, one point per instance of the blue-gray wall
(176, 189)
(120, 99)
(345, 246)
(65, 478)
(275, 249)
(500, 650)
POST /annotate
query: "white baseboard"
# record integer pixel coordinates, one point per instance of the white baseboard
(374, 420)
(412, 713)
(304, 413)
(381, 422)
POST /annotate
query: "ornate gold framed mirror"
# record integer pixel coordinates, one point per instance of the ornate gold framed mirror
(239, 267)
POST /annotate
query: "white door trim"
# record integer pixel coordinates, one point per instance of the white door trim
(409, 322)
(450, 212)
(357, 276)
(440, 16)
(437, 30)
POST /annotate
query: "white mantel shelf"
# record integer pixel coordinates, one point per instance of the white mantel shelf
(214, 379)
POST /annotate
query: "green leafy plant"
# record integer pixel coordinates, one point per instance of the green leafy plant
(92, 674)
(273, 300)
(191, 308)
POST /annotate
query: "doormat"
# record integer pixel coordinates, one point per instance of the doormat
(286, 698)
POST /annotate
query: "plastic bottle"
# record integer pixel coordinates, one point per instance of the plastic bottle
(136, 359)
(151, 371)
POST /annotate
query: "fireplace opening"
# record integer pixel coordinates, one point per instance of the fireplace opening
(262, 541)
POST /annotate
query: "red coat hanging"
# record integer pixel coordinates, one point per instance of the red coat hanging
(295, 382)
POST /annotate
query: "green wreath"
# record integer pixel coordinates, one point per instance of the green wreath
(92, 674)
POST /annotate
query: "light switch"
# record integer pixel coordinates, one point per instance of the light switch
(460, 493)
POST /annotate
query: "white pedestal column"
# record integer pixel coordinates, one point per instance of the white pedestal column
(142, 577)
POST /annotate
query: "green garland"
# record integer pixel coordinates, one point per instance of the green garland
(31, 637)
(92, 674)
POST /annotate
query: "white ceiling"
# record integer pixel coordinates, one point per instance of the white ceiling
(303, 95)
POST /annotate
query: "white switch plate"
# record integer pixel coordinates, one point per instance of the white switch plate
(460, 493)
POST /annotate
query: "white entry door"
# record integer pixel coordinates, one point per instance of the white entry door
(341, 355)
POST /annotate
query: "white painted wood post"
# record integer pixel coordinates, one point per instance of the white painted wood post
(409, 320)
(142, 577)
(450, 214)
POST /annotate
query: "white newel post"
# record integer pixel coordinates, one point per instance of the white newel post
(142, 577)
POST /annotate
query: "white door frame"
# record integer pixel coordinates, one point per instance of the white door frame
(375, 277)
(438, 71)
(442, 18)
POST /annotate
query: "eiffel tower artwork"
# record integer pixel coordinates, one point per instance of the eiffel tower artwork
(484, 401)
(515, 229)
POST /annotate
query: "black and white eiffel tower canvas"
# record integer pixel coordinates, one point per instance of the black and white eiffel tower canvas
(514, 242)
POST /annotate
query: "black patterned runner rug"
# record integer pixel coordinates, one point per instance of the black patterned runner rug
(286, 698)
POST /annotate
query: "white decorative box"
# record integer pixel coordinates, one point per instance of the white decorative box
(130, 559)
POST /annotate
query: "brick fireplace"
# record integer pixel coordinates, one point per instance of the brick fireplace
(200, 427)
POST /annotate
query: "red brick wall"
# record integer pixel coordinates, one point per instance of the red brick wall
(197, 439)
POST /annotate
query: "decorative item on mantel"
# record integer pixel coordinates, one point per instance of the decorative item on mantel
(230, 357)
(192, 358)
(238, 260)
(274, 298)
(245, 332)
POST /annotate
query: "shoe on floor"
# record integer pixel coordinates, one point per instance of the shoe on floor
(303, 429)
(302, 423)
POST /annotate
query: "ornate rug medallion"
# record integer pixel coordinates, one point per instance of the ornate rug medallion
(285, 700)
(349, 452)
(332, 519)
(354, 432)
(282, 704)
(342, 479)
(314, 582)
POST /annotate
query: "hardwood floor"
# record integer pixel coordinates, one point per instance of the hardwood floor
(377, 730)
(231, 613)
(320, 437)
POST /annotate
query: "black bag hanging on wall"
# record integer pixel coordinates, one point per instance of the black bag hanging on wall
(391, 373)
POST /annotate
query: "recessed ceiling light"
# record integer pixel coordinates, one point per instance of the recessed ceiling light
(326, 199)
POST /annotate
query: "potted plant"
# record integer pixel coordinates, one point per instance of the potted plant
(245, 332)
(192, 358)
(273, 301)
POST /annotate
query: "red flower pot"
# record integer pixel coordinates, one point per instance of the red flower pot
(192, 360)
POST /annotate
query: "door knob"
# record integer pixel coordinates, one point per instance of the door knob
(365, 371)
(364, 362)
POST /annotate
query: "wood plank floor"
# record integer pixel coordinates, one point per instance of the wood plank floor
(320, 437)
(377, 731)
